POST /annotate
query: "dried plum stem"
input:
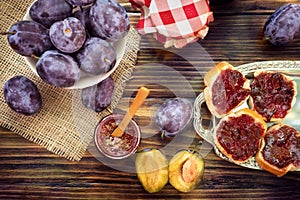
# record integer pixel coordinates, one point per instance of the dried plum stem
(196, 146)
(162, 134)
(106, 60)
(35, 57)
(8, 33)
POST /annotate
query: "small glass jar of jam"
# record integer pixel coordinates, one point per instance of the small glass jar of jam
(116, 147)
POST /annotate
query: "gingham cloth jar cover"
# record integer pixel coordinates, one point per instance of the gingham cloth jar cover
(174, 22)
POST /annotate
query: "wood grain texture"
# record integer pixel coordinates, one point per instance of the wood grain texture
(27, 171)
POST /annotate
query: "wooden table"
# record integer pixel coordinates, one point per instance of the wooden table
(28, 171)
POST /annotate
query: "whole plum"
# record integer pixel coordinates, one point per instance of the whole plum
(283, 25)
(68, 35)
(96, 57)
(29, 38)
(80, 2)
(58, 69)
(173, 115)
(22, 95)
(83, 15)
(99, 96)
(109, 19)
(47, 12)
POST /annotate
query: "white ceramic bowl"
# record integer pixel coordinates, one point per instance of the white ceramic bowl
(85, 80)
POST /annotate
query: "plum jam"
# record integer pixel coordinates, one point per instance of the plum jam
(272, 95)
(228, 90)
(239, 136)
(116, 147)
(282, 147)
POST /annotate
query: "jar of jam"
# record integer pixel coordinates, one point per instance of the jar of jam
(116, 147)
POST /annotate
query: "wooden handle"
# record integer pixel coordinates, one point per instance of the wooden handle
(139, 99)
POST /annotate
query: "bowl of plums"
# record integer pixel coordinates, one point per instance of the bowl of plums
(71, 44)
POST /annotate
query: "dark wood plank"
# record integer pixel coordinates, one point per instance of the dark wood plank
(30, 171)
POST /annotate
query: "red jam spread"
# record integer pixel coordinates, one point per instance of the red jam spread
(272, 95)
(228, 91)
(282, 147)
(240, 136)
(116, 146)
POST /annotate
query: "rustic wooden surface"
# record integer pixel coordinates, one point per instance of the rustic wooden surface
(27, 171)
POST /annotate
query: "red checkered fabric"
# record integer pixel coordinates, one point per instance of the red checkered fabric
(174, 22)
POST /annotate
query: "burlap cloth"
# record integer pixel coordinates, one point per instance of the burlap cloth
(63, 126)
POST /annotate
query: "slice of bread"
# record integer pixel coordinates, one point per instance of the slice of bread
(226, 89)
(273, 95)
(279, 150)
(238, 135)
